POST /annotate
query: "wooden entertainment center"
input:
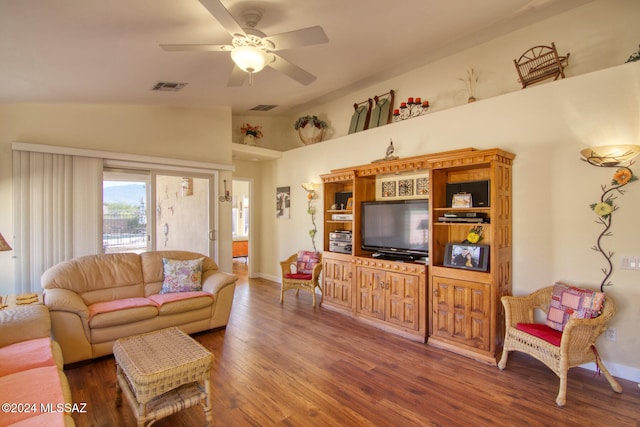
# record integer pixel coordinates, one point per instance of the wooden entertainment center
(457, 309)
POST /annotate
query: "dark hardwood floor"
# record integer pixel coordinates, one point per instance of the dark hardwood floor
(293, 365)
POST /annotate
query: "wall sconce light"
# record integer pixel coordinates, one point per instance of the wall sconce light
(610, 155)
(311, 188)
(227, 196)
(4, 246)
(312, 193)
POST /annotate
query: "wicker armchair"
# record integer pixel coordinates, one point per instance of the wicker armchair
(307, 275)
(577, 341)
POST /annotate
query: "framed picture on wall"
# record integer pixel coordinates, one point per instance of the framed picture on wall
(283, 200)
(467, 256)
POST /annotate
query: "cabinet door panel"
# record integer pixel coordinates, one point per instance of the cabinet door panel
(337, 282)
(371, 288)
(404, 296)
(461, 311)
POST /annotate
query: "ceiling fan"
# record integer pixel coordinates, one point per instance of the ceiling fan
(252, 50)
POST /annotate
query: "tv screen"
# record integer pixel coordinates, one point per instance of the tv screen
(396, 227)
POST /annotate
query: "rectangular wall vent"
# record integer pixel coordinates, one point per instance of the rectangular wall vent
(263, 107)
(168, 86)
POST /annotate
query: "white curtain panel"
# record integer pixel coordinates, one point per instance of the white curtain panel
(57, 215)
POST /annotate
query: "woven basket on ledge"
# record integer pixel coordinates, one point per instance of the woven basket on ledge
(310, 134)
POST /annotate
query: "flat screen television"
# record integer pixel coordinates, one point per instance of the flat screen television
(396, 229)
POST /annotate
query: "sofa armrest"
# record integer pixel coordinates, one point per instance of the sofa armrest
(23, 324)
(58, 299)
(216, 281)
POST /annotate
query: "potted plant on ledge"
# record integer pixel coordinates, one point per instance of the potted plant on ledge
(310, 129)
(251, 133)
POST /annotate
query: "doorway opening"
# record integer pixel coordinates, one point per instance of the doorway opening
(241, 226)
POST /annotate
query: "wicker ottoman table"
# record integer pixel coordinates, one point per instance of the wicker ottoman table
(161, 373)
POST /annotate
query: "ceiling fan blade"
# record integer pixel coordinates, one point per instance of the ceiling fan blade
(222, 15)
(292, 70)
(303, 37)
(237, 77)
(196, 47)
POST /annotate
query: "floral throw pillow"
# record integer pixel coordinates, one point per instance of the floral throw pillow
(182, 275)
(570, 302)
(306, 261)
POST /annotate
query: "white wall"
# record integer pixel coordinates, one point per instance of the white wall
(545, 125)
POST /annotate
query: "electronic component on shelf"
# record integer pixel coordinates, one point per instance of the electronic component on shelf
(340, 241)
(342, 217)
(465, 220)
(341, 236)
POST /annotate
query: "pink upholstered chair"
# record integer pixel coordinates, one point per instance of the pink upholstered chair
(305, 275)
(567, 338)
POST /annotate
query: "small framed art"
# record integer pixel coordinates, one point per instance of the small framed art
(461, 200)
(350, 203)
(467, 256)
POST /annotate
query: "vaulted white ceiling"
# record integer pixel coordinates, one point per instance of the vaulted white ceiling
(106, 51)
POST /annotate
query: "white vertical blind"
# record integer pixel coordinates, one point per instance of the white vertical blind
(57, 201)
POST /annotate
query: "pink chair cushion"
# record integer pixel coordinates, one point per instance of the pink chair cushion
(25, 355)
(541, 331)
(570, 302)
(298, 276)
(306, 260)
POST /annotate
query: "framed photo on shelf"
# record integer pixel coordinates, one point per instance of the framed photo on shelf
(467, 256)
(350, 203)
(461, 200)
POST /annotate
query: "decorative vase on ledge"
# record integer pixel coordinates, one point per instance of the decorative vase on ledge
(249, 139)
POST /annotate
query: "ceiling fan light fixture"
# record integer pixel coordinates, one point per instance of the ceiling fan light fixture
(249, 58)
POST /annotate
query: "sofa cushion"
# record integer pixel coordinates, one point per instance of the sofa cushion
(541, 331)
(26, 355)
(182, 275)
(117, 312)
(48, 419)
(571, 302)
(117, 304)
(179, 302)
(93, 272)
(35, 386)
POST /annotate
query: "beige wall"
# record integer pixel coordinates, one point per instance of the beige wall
(545, 125)
(198, 134)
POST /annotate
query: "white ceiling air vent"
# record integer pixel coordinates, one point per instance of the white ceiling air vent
(168, 86)
(263, 107)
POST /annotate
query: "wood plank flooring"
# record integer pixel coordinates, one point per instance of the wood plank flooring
(293, 365)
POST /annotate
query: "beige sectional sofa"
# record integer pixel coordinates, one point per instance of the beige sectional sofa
(96, 299)
(33, 388)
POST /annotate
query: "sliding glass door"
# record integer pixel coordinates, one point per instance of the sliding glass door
(145, 210)
(125, 210)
